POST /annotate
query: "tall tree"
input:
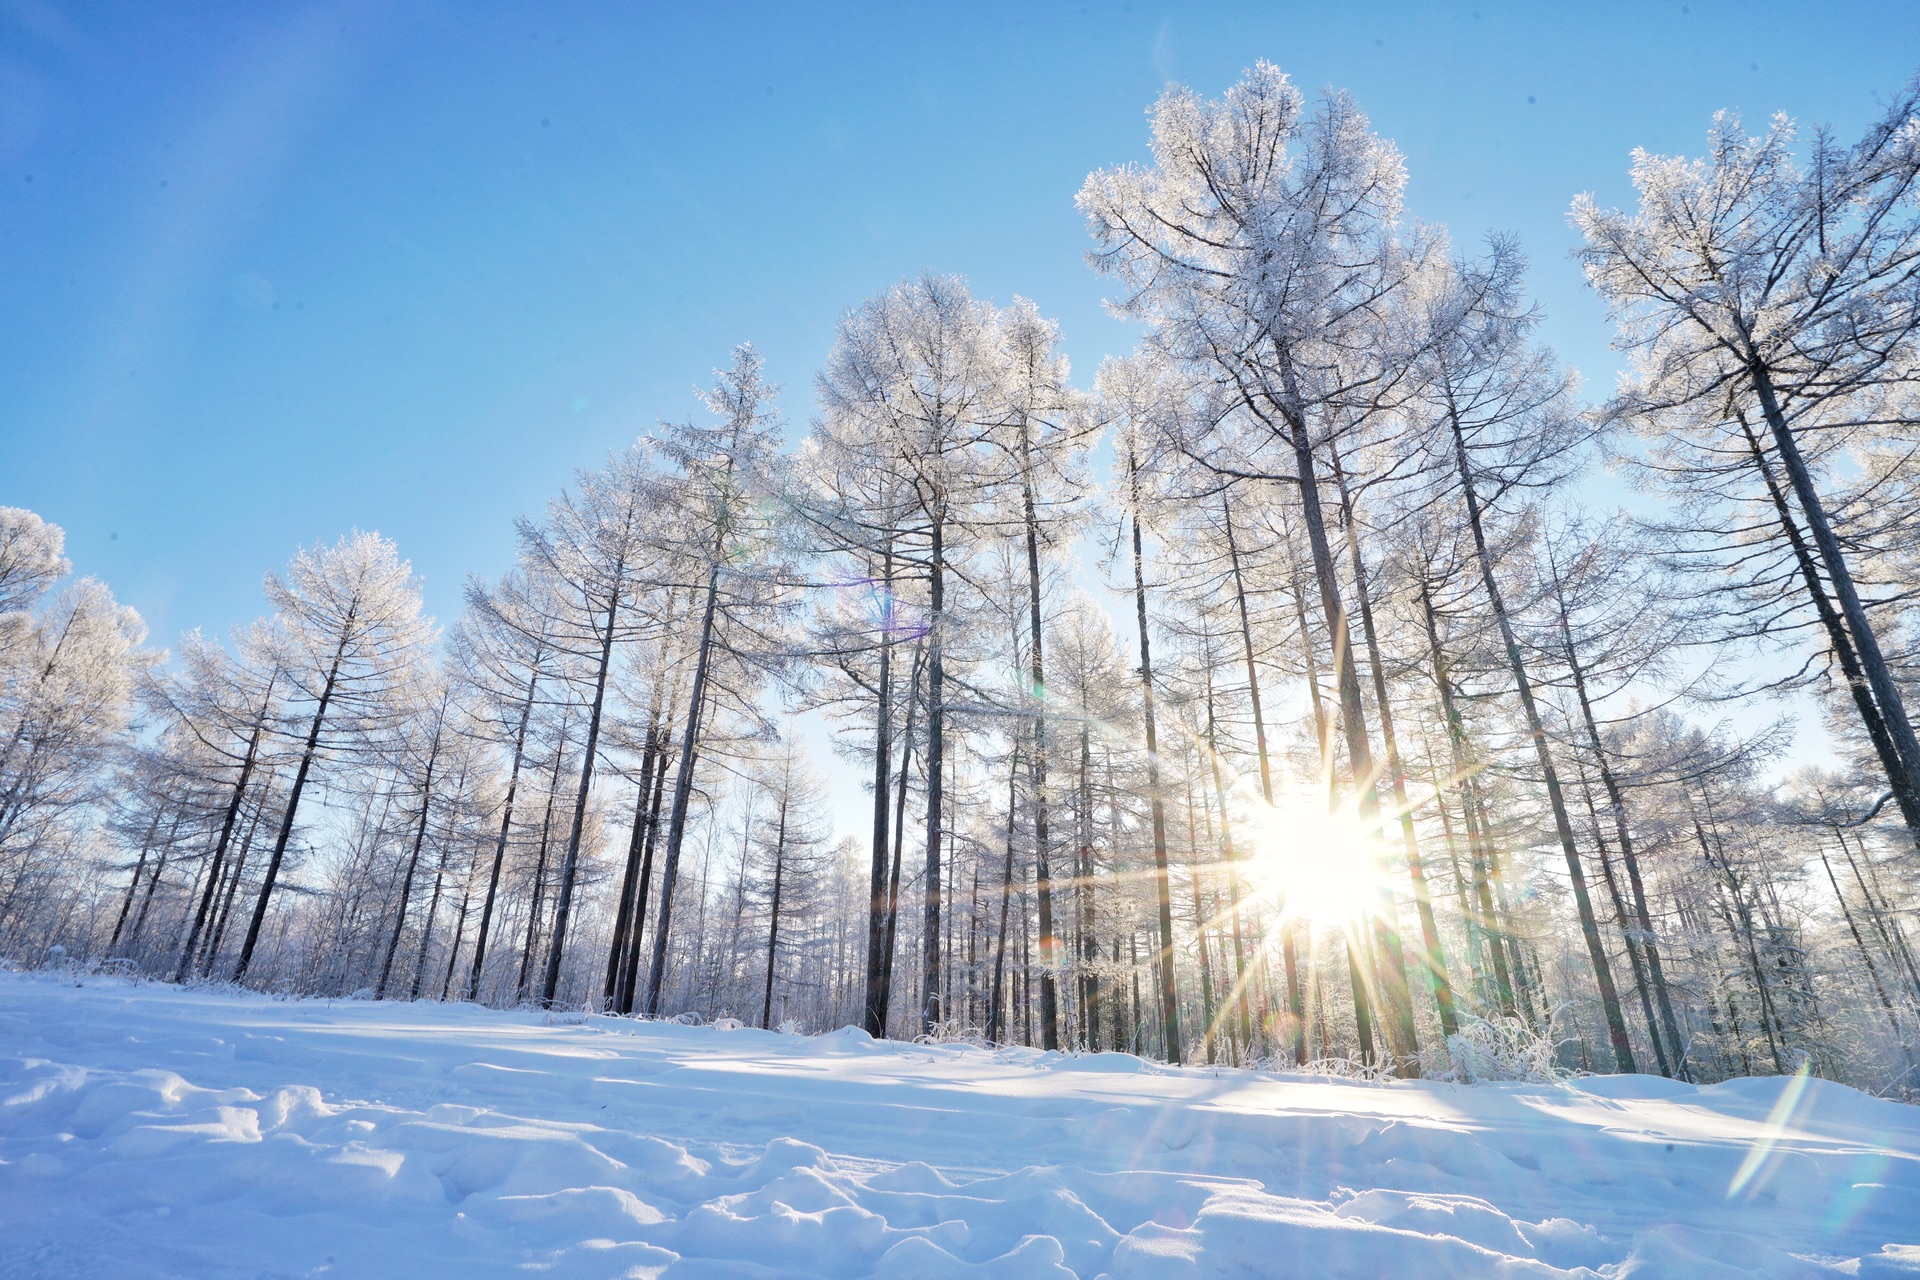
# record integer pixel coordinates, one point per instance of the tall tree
(1259, 248)
(1790, 282)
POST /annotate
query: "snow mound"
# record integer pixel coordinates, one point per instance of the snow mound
(153, 1132)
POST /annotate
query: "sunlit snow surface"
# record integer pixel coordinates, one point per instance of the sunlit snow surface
(149, 1131)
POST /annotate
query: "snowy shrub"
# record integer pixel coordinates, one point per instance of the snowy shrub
(1338, 1069)
(955, 1031)
(1487, 1049)
(59, 960)
(1329, 1068)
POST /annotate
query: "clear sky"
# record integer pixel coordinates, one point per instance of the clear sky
(272, 271)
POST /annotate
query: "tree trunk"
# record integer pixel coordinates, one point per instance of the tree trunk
(1892, 709)
(532, 938)
(1617, 802)
(1899, 777)
(1873, 970)
(426, 926)
(133, 886)
(1207, 1030)
(773, 914)
(1536, 729)
(1169, 996)
(1432, 957)
(874, 1008)
(931, 1013)
(624, 939)
(293, 802)
(1043, 872)
(1353, 719)
(500, 844)
(996, 1018)
(1627, 933)
(153, 881)
(233, 882)
(1083, 895)
(630, 977)
(1289, 949)
(570, 867)
(413, 860)
(1231, 857)
(682, 792)
(1463, 766)
(460, 925)
(899, 840)
(226, 835)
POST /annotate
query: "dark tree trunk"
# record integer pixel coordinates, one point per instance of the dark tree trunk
(220, 847)
(683, 791)
(1169, 996)
(1461, 760)
(931, 1014)
(133, 885)
(460, 925)
(1289, 950)
(1432, 957)
(214, 944)
(1617, 803)
(293, 805)
(413, 863)
(996, 1024)
(873, 1005)
(500, 843)
(1899, 776)
(1892, 709)
(1392, 978)
(531, 941)
(1628, 934)
(899, 841)
(630, 977)
(1873, 970)
(1536, 729)
(569, 868)
(773, 914)
(1043, 869)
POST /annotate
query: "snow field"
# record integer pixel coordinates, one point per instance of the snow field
(149, 1131)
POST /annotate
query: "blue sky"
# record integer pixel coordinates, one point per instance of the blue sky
(269, 272)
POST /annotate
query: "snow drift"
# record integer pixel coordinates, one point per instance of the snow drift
(151, 1131)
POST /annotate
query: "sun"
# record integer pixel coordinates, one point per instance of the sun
(1315, 863)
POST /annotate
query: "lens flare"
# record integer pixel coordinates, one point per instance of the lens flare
(1316, 863)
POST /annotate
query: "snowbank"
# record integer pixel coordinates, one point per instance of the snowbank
(148, 1131)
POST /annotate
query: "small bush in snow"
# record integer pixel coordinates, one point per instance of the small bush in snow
(955, 1032)
(1325, 1068)
(1486, 1049)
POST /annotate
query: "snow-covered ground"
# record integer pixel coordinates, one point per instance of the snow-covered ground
(151, 1131)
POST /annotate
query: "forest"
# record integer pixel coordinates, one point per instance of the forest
(1334, 681)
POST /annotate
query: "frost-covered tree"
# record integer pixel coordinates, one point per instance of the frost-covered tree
(723, 556)
(69, 666)
(1792, 284)
(347, 631)
(1259, 247)
(913, 381)
(599, 550)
